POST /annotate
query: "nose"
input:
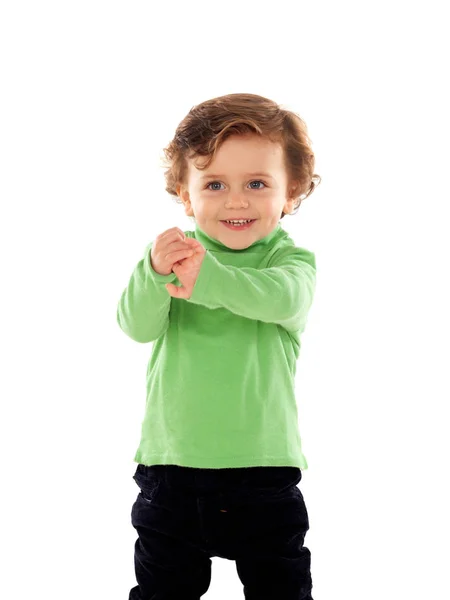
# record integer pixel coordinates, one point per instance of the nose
(236, 199)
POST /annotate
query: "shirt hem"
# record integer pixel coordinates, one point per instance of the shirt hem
(219, 463)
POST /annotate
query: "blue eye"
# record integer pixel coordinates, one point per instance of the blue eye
(207, 186)
(255, 181)
(258, 181)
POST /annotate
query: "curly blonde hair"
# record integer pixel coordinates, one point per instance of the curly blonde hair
(207, 125)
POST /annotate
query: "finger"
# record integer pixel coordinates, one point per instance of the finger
(193, 243)
(179, 254)
(174, 291)
(177, 244)
(172, 234)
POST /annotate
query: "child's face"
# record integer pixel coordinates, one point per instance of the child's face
(233, 194)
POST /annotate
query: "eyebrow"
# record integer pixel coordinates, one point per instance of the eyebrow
(248, 174)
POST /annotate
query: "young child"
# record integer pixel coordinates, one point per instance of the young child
(220, 455)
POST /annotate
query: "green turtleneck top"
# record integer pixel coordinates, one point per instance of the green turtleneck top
(220, 378)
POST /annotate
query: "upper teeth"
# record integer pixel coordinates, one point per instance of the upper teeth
(240, 221)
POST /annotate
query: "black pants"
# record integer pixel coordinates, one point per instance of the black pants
(255, 516)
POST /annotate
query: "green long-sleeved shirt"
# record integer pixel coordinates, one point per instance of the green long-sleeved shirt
(220, 379)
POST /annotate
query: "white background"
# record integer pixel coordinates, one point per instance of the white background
(91, 93)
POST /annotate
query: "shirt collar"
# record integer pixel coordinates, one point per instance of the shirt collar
(211, 243)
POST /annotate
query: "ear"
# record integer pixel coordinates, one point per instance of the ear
(289, 205)
(292, 199)
(183, 194)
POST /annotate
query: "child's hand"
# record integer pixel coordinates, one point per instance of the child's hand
(169, 246)
(187, 270)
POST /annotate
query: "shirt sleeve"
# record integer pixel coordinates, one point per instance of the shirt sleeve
(143, 308)
(280, 294)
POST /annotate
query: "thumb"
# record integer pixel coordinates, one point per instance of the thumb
(174, 291)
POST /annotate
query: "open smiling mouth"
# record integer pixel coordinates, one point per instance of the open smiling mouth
(236, 227)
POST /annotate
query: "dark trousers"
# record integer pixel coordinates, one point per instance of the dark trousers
(255, 516)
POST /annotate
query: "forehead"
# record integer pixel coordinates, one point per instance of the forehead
(241, 156)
